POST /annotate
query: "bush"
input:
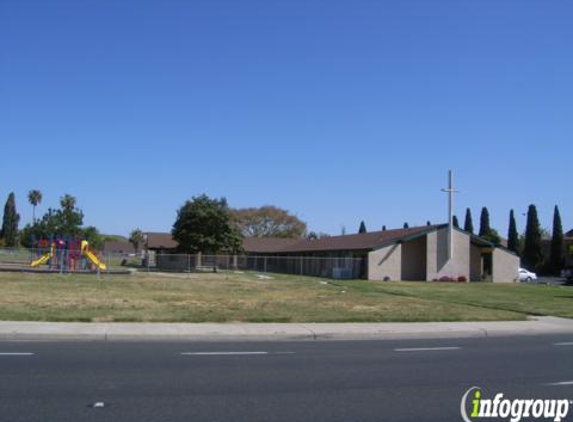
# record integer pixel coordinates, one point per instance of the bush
(446, 278)
(462, 279)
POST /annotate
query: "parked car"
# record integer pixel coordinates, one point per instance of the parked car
(567, 273)
(526, 276)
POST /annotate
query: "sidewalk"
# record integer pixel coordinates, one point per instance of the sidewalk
(272, 332)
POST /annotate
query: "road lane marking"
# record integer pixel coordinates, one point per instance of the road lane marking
(562, 383)
(255, 353)
(426, 349)
(569, 343)
(222, 353)
(16, 354)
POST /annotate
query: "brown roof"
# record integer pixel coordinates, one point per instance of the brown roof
(569, 233)
(112, 246)
(160, 241)
(267, 244)
(351, 242)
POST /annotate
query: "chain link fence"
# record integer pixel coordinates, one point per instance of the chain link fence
(64, 260)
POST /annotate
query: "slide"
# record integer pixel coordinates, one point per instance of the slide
(93, 259)
(41, 261)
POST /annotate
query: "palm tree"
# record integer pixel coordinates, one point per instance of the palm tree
(35, 198)
(68, 202)
(136, 238)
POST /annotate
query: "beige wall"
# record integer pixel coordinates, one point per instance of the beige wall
(475, 263)
(385, 262)
(505, 266)
(437, 263)
(414, 260)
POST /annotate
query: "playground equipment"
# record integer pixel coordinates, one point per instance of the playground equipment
(67, 255)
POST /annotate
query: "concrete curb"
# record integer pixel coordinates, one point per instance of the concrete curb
(276, 331)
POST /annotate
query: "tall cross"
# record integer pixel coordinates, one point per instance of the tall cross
(450, 191)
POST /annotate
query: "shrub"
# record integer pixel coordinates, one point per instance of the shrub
(462, 279)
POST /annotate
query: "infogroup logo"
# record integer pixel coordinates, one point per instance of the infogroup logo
(513, 410)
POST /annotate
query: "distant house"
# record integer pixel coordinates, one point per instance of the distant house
(117, 247)
(416, 253)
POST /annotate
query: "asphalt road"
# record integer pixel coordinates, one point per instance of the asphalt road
(414, 380)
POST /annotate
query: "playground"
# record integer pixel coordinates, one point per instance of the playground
(59, 255)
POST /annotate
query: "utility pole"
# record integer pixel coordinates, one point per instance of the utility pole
(450, 191)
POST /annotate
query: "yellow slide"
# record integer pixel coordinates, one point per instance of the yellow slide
(42, 260)
(94, 259)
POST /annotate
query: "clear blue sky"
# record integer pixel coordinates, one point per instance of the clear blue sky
(339, 111)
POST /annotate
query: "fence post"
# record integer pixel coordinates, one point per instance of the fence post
(265, 264)
(189, 264)
(301, 265)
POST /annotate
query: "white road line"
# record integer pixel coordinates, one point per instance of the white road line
(234, 353)
(222, 353)
(426, 349)
(569, 343)
(562, 383)
(16, 354)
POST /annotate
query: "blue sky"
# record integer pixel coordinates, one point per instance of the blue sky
(338, 111)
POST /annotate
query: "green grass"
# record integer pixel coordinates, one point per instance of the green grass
(245, 297)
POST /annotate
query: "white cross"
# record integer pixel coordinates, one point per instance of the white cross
(450, 191)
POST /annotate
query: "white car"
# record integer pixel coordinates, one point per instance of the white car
(526, 276)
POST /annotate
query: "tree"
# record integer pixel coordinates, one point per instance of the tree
(268, 221)
(468, 223)
(456, 223)
(66, 221)
(557, 256)
(512, 235)
(10, 222)
(136, 238)
(206, 225)
(69, 219)
(532, 252)
(484, 226)
(92, 235)
(362, 228)
(406, 225)
(315, 236)
(384, 228)
(428, 223)
(35, 198)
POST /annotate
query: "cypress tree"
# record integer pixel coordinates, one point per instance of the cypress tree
(484, 226)
(406, 226)
(428, 223)
(532, 253)
(10, 222)
(362, 228)
(512, 235)
(384, 228)
(456, 222)
(468, 223)
(557, 244)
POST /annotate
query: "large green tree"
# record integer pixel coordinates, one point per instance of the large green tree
(10, 222)
(469, 223)
(362, 228)
(512, 234)
(557, 256)
(532, 252)
(35, 198)
(206, 225)
(268, 221)
(67, 221)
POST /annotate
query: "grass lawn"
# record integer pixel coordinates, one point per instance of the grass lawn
(246, 297)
